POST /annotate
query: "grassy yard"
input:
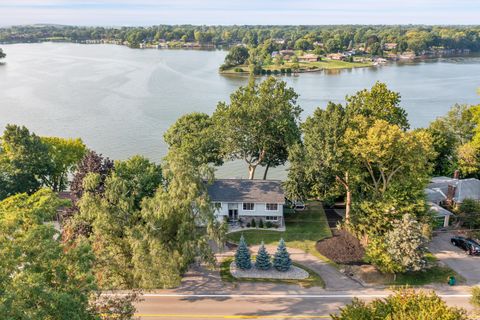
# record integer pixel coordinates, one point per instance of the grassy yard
(313, 279)
(324, 64)
(303, 230)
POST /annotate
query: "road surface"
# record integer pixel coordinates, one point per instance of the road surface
(252, 306)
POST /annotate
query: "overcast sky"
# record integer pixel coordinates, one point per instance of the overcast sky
(149, 12)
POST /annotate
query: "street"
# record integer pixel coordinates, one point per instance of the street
(264, 306)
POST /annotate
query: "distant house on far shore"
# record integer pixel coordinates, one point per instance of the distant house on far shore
(309, 57)
(337, 56)
(390, 46)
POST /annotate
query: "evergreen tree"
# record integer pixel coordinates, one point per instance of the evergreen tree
(242, 256)
(263, 259)
(281, 260)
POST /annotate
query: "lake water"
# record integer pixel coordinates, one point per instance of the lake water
(120, 101)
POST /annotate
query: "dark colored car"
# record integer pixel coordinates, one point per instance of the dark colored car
(469, 245)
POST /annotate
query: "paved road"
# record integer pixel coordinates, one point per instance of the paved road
(279, 306)
(467, 266)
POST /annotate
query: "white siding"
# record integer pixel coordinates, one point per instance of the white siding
(259, 210)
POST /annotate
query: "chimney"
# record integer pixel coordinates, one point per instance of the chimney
(450, 194)
(456, 174)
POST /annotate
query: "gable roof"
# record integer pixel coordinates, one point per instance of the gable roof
(467, 189)
(243, 190)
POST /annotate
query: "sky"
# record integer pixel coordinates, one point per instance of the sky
(228, 12)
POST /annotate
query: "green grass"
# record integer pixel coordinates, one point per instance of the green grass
(324, 64)
(313, 280)
(303, 230)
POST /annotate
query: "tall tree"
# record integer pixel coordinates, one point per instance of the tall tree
(64, 156)
(194, 133)
(259, 124)
(52, 280)
(24, 160)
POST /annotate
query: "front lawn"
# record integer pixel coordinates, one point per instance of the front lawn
(313, 279)
(303, 230)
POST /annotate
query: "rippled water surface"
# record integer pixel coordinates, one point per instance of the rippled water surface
(120, 101)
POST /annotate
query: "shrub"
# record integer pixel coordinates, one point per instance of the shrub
(260, 223)
(242, 256)
(269, 72)
(268, 224)
(289, 70)
(475, 299)
(262, 261)
(254, 223)
(248, 225)
(282, 71)
(264, 71)
(281, 260)
(275, 72)
(403, 304)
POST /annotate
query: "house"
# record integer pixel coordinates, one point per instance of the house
(309, 57)
(241, 200)
(451, 192)
(337, 56)
(287, 52)
(274, 54)
(390, 46)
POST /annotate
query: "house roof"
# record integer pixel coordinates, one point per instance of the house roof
(439, 211)
(435, 195)
(242, 190)
(465, 188)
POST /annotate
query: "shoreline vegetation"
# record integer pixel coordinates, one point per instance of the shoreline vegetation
(275, 50)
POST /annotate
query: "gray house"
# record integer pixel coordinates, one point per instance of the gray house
(244, 200)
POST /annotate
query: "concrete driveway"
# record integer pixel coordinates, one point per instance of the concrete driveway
(465, 265)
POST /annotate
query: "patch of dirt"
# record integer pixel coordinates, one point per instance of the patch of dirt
(368, 274)
(342, 248)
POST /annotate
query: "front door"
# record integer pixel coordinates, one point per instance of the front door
(233, 214)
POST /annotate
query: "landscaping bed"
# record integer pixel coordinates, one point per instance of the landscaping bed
(342, 248)
(313, 280)
(293, 273)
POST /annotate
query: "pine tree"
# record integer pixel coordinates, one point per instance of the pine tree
(242, 256)
(263, 259)
(281, 260)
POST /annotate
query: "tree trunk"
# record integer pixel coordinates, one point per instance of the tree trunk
(251, 172)
(266, 171)
(348, 199)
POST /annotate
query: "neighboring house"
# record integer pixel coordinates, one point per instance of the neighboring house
(241, 200)
(451, 192)
(309, 57)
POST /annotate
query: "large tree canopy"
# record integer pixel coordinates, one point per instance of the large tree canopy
(194, 133)
(259, 124)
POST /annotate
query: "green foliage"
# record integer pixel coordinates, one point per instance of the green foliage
(242, 256)
(194, 133)
(24, 160)
(64, 156)
(253, 223)
(469, 213)
(260, 223)
(263, 260)
(405, 304)
(475, 299)
(259, 124)
(56, 277)
(281, 259)
(236, 56)
(402, 248)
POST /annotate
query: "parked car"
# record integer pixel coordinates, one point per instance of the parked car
(467, 244)
(299, 206)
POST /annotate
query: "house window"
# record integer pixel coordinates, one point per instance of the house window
(248, 206)
(218, 205)
(272, 206)
(271, 218)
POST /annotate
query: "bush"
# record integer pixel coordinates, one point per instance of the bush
(281, 260)
(264, 72)
(475, 299)
(282, 71)
(275, 72)
(260, 223)
(254, 223)
(269, 72)
(289, 70)
(268, 224)
(248, 225)
(262, 261)
(242, 256)
(403, 304)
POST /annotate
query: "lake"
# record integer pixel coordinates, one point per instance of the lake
(120, 101)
